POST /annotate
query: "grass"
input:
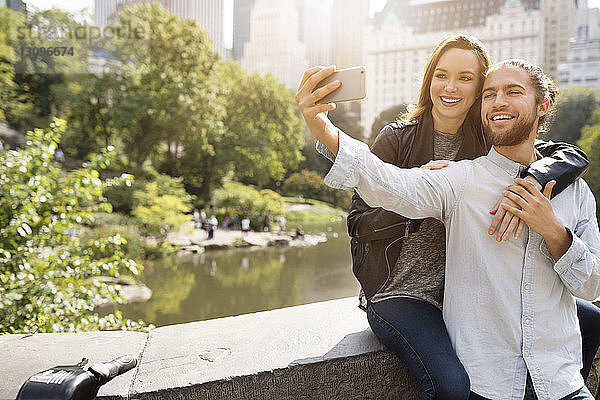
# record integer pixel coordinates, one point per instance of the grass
(319, 212)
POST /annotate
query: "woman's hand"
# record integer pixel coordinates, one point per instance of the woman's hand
(315, 114)
(436, 164)
(509, 220)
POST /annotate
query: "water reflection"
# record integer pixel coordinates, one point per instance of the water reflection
(222, 283)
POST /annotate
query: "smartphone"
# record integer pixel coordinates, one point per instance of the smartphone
(353, 85)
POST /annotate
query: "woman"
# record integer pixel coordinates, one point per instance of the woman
(400, 262)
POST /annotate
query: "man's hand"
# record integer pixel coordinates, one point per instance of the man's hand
(315, 114)
(509, 221)
(536, 210)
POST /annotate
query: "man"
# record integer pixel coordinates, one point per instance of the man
(509, 307)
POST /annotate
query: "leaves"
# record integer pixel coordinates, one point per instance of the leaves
(46, 272)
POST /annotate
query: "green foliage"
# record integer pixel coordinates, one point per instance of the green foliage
(310, 184)
(47, 277)
(41, 79)
(164, 94)
(264, 133)
(13, 103)
(161, 205)
(318, 214)
(385, 117)
(590, 144)
(245, 201)
(573, 111)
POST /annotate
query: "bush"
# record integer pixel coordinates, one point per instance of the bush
(46, 274)
(310, 184)
(161, 205)
(245, 201)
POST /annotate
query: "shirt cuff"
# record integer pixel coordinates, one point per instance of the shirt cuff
(341, 174)
(324, 151)
(574, 253)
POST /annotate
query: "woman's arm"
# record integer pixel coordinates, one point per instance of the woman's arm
(562, 162)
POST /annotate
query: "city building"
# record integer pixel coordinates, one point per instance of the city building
(557, 30)
(349, 22)
(395, 53)
(241, 26)
(582, 67)
(209, 14)
(274, 46)
(15, 5)
(314, 24)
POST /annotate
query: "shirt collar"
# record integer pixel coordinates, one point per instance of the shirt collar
(512, 168)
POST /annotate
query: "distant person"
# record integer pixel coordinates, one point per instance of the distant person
(282, 222)
(245, 225)
(267, 223)
(60, 156)
(213, 223)
(299, 232)
(196, 214)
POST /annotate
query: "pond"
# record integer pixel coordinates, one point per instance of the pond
(214, 284)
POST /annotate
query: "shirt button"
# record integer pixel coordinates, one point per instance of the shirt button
(526, 353)
(334, 182)
(527, 286)
(526, 321)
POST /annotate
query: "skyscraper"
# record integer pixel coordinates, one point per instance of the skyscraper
(209, 15)
(314, 18)
(241, 26)
(349, 21)
(274, 46)
(582, 67)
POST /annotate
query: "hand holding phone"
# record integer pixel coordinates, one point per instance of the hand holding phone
(353, 86)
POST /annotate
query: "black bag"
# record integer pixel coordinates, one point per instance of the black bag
(72, 382)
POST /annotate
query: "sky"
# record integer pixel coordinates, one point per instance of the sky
(76, 5)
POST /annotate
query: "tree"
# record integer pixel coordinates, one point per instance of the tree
(47, 275)
(40, 75)
(590, 143)
(264, 132)
(385, 117)
(235, 198)
(573, 111)
(258, 140)
(164, 92)
(13, 104)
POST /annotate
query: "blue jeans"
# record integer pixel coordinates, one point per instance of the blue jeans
(414, 330)
(581, 394)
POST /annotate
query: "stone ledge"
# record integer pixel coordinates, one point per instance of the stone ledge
(315, 351)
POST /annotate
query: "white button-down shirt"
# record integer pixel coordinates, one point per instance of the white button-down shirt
(508, 306)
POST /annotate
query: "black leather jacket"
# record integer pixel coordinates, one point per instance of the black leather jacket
(376, 234)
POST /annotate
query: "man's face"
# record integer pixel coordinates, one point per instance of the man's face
(509, 110)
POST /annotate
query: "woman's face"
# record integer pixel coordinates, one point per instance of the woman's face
(454, 88)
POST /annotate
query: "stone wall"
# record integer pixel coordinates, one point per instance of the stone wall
(315, 351)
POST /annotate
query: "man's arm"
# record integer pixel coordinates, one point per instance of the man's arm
(368, 223)
(562, 162)
(415, 193)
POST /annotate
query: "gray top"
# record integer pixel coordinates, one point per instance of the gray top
(419, 271)
(509, 307)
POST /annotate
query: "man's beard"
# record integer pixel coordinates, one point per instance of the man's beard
(512, 137)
